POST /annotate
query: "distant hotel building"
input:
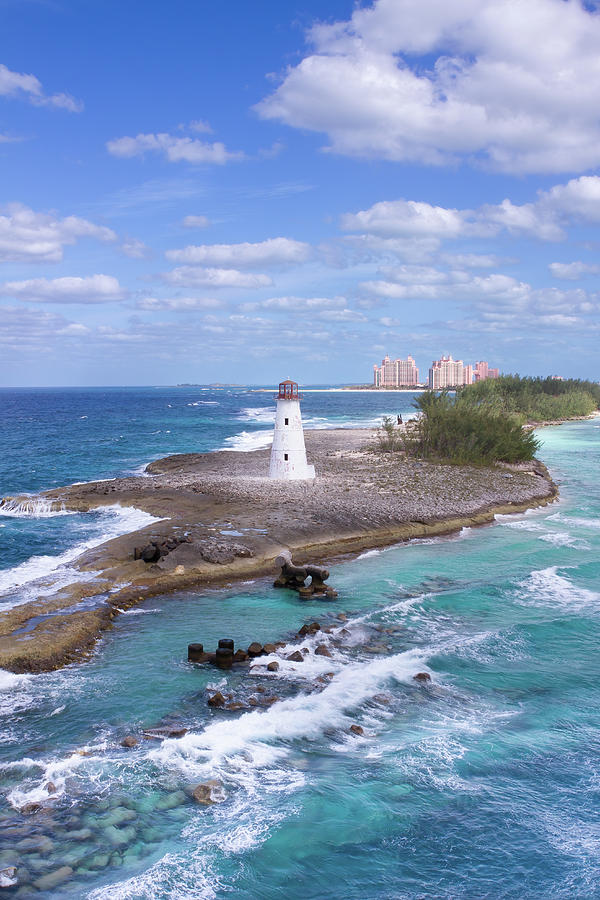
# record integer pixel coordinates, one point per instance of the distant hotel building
(396, 373)
(450, 373)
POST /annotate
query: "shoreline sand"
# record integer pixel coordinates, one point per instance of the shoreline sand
(226, 522)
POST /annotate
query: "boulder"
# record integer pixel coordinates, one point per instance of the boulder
(273, 667)
(342, 617)
(53, 879)
(235, 705)
(208, 792)
(269, 648)
(296, 656)
(150, 553)
(8, 877)
(309, 629)
(255, 649)
(28, 809)
(356, 729)
(129, 741)
(240, 656)
(217, 700)
(165, 731)
(322, 650)
(51, 787)
(422, 677)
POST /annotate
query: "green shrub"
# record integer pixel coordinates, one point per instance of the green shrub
(537, 399)
(458, 431)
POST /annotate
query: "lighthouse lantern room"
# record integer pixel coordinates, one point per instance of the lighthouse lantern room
(288, 455)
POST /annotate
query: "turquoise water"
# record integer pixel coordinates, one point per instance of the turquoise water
(483, 783)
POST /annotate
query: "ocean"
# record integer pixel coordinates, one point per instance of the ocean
(483, 783)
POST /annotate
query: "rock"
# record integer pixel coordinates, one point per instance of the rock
(273, 667)
(269, 700)
(99, 861)
(171, 801)
(217, 700)
(129, 741)
(240, 656)
(51, 787)
(83, 834)
(38, 844)
(8, 877)
(342, 617)
(53, 879)
(296, 656)
(179, 570)
(150, 553)
(381, 698)
(30, 808)
(165, 731)
(252, 701)
(322, 650)
(422, 677)
(309, 629)
(208, 792)
(356, 729)
(118, 837)
(235, 704)
(269, 648)
(255, 649)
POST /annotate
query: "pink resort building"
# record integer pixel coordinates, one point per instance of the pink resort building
(396, 373)
(450, 373)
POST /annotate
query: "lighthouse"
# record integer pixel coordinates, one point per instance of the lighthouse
(288, 455)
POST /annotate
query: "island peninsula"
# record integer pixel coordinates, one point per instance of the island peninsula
(222, 520)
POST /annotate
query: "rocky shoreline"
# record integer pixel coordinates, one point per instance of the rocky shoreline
(222, 520)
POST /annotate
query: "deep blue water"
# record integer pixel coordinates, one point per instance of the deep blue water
(483, 784)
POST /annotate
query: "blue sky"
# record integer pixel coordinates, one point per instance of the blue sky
(241, 191)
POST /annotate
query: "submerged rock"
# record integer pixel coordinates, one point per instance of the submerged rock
(129, 741)
(53, 879)
(422, 677)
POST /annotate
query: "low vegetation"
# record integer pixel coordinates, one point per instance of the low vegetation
(535, 399)
(453, 429)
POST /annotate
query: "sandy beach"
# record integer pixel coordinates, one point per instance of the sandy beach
(222, 520)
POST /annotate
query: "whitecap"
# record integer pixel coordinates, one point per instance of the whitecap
(545, 587)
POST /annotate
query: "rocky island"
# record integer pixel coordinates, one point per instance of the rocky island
(220, 519)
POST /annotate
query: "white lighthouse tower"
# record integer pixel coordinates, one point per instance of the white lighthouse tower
(288, 456)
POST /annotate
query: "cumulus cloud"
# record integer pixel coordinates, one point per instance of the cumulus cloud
(27, 87)
(544, 218)
(195, 222)
(195, 276)
(90, 289)
(179, 304)
(572, 271)
(175, 149)
(28, 236)
(510, 85)
(275, 251)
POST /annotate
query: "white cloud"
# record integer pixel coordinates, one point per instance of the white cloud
(406, 217)
(28, 87)
(194, 276)
(511, 85)
(545, 218)
(275, 251)
(572, 271)
(195, 222)
(303, 304)
(473, 260)
(342, 315)
(28, 236)
(179, 304)
(136, 249)
(176, 149)
(91, 289)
